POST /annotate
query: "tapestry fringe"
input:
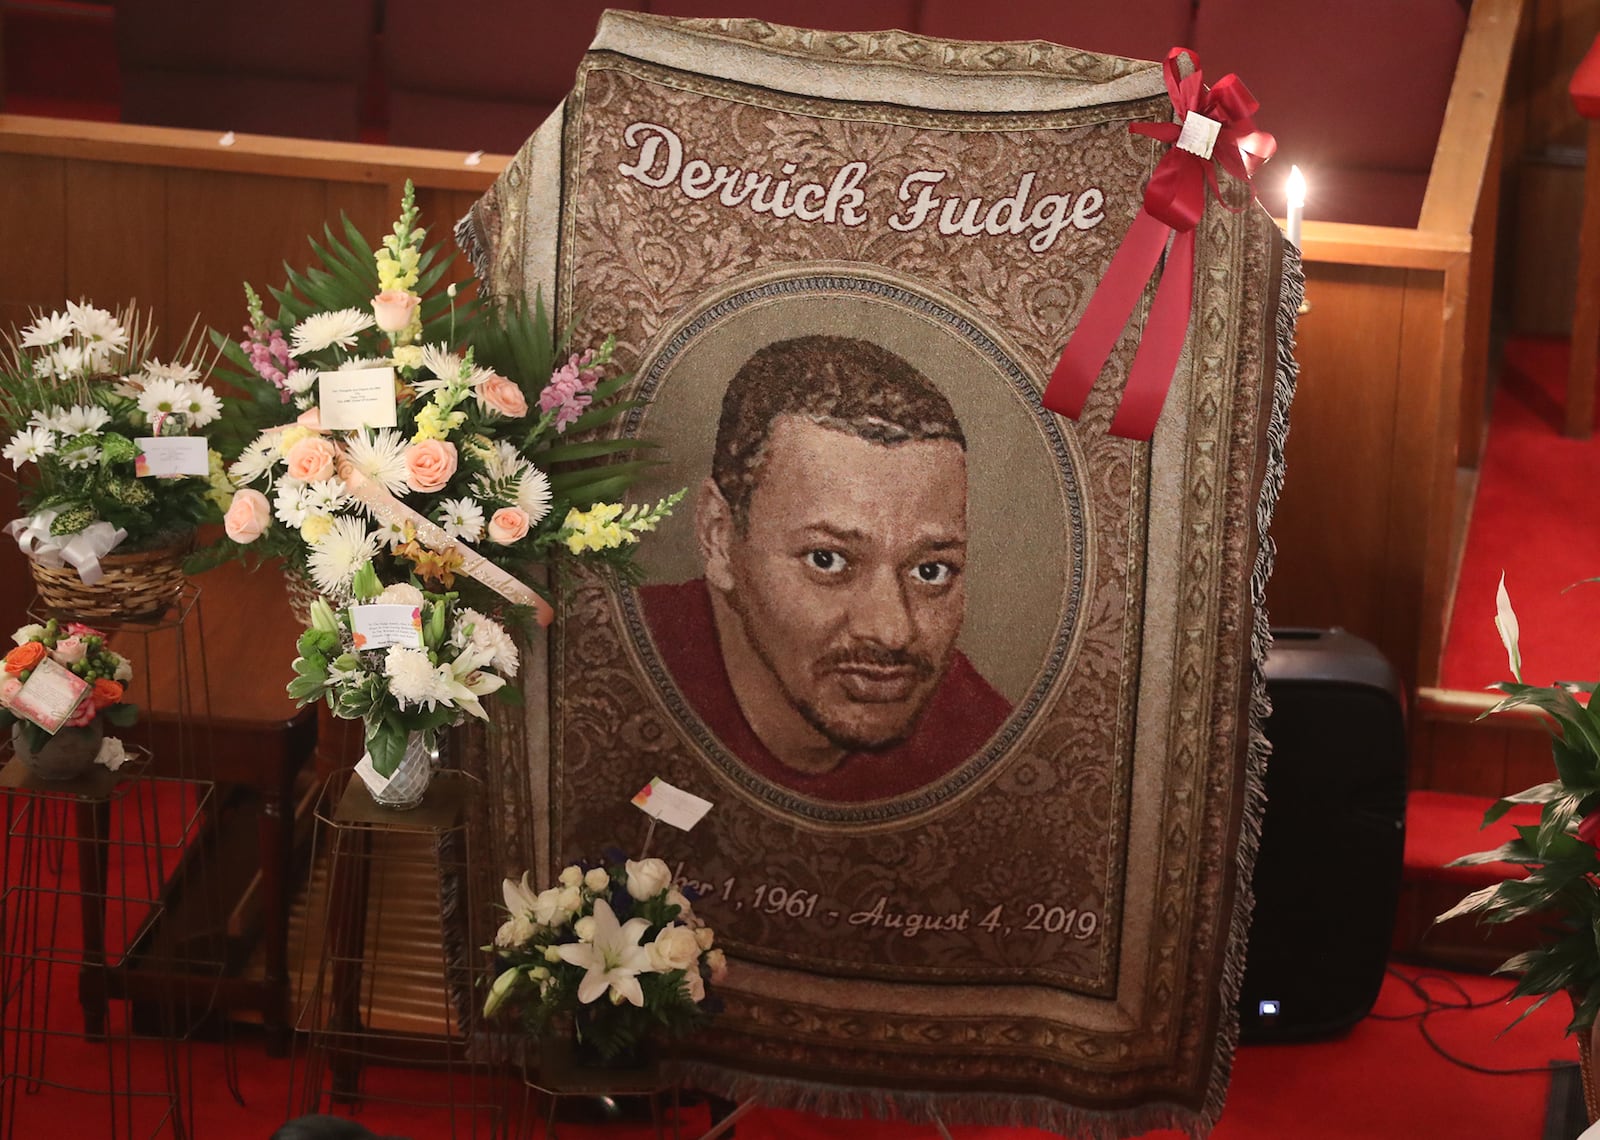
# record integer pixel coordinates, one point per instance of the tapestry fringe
(1286, 373)
(472, 245)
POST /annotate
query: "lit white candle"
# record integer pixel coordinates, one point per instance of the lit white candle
(1297, 203)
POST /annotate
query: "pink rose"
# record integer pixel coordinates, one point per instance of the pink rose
(248, 515)
(86, 713)
(311, 459)
(509, 525)
(392, 309)
(500, 395)
(69, 650)
(429, 465)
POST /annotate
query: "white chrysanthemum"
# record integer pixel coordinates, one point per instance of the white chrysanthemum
(255, 460)
(443, 363)
(289, 503)
(380, 456)
(97, 326)
(301, 380)
(80, 453)
(336, 557)
(46, 332)
(461, 518)
(326, 496)
(533, 494)
(201, 405)
(360, 362)
(161, 397)
(324, 330)
(413, 679)
(177, 372)
(83, 419)
(28, 445)
(474, 629)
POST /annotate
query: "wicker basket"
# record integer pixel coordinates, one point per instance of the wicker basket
(302, 592)
(140, 585)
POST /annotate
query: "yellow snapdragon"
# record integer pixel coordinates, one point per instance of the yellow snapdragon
(596, 528)
(433, 424)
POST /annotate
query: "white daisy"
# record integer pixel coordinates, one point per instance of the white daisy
(413, 679)
(46, 332)
(289, 503)
(97, 326)
(28, 445)
(393, 533)
(325, 496)
(177, 372)
(201, 404)
(99, 359)
(473, 628)
(255, 460)
(51, 419)
(324, 330)
(533, 494)
(83, 419)
(337, 556)
(80, 453)
(380, 456)
(461, 518)
(66, 362)
(161, 397)
(301, 380)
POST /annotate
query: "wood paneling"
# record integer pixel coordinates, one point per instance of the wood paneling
(1544, 261)
(116, 241)
(33, 234)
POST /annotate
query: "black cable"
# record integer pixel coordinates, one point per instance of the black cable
(1432, 1005)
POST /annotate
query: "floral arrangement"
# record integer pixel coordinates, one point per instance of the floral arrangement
(617, 948)
(77, 388)
(1559, 853)
(82, 650)
(460, 656)
(483, 408)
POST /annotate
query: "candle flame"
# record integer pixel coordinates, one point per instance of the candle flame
(1297, 187)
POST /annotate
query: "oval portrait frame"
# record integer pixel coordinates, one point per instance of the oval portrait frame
(854, 285)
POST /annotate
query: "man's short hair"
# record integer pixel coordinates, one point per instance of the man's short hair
(837, 382)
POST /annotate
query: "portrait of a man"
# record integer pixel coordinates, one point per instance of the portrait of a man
(820, 644)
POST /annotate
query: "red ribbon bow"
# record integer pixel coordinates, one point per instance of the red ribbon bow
(1174, 202)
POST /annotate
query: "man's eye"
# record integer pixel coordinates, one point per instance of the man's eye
(934, 573)
(828, 561)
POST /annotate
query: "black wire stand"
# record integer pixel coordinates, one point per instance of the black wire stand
(392, 976)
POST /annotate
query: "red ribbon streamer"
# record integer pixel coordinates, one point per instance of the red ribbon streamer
(1174, 201)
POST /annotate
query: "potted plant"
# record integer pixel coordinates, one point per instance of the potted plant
(611, 953)
(110, 504)
(65, 751)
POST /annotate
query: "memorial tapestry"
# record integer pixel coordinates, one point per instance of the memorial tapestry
(974, 687)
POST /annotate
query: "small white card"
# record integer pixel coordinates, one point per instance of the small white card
(660, 800)
(1199, 134)
(369, 775)
(171, 455)
(380, 626)
(356, 398)
(50, 695)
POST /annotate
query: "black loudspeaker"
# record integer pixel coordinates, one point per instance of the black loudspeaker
(1327, 878)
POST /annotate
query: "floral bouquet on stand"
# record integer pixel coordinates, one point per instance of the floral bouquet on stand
(108, 446)
(467, 481)
(408, 665)
(58, 723)
(616, 951)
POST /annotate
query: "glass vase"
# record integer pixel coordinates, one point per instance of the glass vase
(65, 756)
(409, 783)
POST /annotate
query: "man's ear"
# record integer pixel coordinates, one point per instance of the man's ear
(713, 526)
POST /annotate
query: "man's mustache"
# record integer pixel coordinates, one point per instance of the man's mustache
(876, 657)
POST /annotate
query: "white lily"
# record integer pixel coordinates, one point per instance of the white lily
(503, 985)
(614, 960)
(519, 896)
(1505, 620)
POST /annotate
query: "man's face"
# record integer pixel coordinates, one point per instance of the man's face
(848, 577)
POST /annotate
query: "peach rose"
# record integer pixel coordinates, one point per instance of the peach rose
(25, 657)
(392, 309)
(248, 515)
(500, 395)
(510, 524)
(311, 459)
(429, 465)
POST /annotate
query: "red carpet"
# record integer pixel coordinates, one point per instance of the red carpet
(1537, 518)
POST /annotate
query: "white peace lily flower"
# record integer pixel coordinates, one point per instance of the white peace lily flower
(289, 503)
(336, 557)
(461, 518)
(1505, 620)
(46, 332)
(255, 460)
(83, 419)
(28, 446)
(161, 397)
(380, 455)
(176, 373)
(201, 404)
(97, 326)
(324, 330)
(614, 959)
